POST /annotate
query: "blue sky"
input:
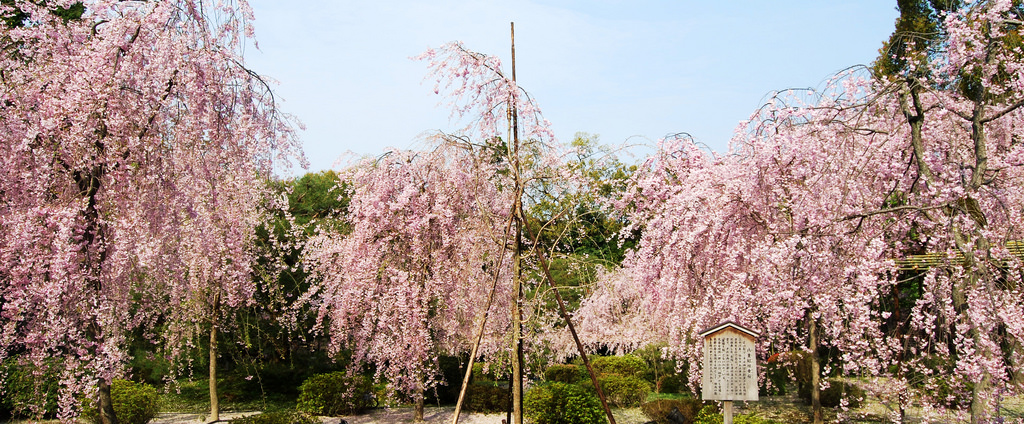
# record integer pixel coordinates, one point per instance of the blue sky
(624, 70)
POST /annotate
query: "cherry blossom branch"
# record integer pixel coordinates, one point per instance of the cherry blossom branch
(893, 210)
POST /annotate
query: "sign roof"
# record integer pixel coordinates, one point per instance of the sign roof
(729, 324)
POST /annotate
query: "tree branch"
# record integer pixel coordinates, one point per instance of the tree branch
(892, 210)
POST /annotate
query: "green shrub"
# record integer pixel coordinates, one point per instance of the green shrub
(278, 417)
(659, 410)
(561, 403)
(625, 365)
(452, 370)
(486, 398)
(933, 376)
(624, 392)
(792, 366)
(565, 373)
(134, 403)
(27, 390)
(480, 376)
(942, 389)
(710, 415)
(333, 394)
(672, 383)
(836, 391)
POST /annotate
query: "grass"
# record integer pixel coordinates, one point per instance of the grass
(672, 396)
(194, 397)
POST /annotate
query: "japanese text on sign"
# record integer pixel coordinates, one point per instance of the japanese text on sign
(730, 367)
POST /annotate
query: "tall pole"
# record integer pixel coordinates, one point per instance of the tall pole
(517, 277)
(545, 266)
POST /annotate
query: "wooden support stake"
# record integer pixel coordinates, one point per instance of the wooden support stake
(572, 329)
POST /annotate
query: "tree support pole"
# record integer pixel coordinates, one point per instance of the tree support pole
(517, 216)
(480, 332)
(572, 329)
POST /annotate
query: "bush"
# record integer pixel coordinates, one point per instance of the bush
(561, 403)
(626, 366)
(279, 417)
(710, 415)
(333, 394)
(624, 392)
(452, 370)
(565, 373)
(933, 376)
(942, 390)
(671, 383)
(134, 403)
(486, 398)
(659, 410)
(27, 390)
(836, 391)
(479, 375)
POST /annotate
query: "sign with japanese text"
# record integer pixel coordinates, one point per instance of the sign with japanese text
(730, 363)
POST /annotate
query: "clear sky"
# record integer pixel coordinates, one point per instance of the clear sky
(633, 70)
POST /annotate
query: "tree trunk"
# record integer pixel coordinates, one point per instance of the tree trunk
(978, 404)
(418, 415)
(89, 185)
(214, 404)
(106, 404)
(812, 325)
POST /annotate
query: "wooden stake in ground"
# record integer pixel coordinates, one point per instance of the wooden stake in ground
(517, 261)
(480, 332)
(572, 329)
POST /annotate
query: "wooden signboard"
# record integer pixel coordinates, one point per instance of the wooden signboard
(730, 365)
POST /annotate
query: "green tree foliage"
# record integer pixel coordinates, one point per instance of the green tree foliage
(578, 230)
(580, 224)
(919, 38)
(270, 349)
(28, 391)
(917, 35)
(17, 18)
(276, 344)
(317, 198)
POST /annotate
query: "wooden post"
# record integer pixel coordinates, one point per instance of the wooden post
(727, 412)
(544, 265)
(480, 333)
(517, 262)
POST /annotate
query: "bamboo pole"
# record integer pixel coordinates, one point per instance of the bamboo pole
(480, 332)
(572, 329)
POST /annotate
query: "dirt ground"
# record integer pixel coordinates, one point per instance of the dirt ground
(786, 409)
(434, 415)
